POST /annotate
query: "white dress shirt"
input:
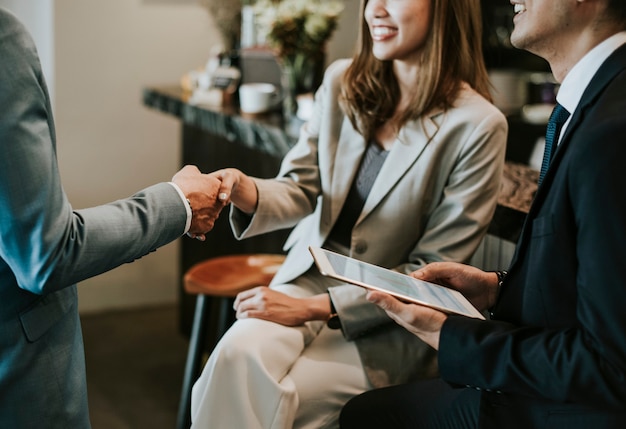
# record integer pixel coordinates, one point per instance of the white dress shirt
(577, 80)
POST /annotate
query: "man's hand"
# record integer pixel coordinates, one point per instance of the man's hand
(478, 286)
(202, 192)
(424, 322)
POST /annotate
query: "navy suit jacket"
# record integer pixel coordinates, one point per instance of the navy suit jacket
(46, 247)
(555, 354)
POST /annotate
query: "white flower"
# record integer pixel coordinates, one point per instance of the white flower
(316, 26)
(294, 27)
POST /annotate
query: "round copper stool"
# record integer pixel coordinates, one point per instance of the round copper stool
(222, 277)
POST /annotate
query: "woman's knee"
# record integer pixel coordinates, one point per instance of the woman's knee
(252, 342)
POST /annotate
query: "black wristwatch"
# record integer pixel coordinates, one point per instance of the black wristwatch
(333, 321)
(501, 276)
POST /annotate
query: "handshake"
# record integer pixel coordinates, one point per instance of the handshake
(206, 196)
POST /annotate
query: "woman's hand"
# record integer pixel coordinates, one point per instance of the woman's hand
(264, 303)
(237, 188)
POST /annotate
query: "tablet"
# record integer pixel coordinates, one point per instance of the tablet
(400, 285)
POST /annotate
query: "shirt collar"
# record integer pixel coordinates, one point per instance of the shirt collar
(576, 81)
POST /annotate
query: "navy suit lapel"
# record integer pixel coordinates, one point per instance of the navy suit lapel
(613, 65)
(607, 72)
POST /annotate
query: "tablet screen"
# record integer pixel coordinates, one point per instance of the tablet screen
(400, 285)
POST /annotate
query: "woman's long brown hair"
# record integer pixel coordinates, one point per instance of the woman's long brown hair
(452, 54)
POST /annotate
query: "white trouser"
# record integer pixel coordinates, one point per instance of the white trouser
(269, 376)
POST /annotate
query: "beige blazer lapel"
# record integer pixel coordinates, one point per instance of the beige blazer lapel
(346, 163)
(411, 142)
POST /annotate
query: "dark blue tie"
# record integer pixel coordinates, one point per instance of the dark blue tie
(555, 123)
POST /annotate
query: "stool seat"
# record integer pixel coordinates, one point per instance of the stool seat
(221, 277)
(226, 276)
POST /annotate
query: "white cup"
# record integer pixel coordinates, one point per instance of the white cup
(257, 97)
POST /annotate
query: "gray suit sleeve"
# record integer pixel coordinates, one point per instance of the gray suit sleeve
(46, 243)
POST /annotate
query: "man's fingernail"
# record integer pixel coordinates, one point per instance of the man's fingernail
(223, 196)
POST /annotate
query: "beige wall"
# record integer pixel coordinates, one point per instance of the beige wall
(343, 41)
(109, 144)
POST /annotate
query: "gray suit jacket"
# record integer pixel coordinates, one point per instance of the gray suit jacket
(432, 200)
(46, 247)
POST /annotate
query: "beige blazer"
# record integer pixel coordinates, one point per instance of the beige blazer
(432, 200)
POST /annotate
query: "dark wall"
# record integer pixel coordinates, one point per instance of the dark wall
(497, 26)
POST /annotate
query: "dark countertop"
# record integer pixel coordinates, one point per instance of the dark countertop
(266, 133)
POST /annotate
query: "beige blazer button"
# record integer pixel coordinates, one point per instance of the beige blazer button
(360, 248)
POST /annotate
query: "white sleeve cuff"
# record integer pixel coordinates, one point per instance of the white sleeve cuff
(187, 207)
